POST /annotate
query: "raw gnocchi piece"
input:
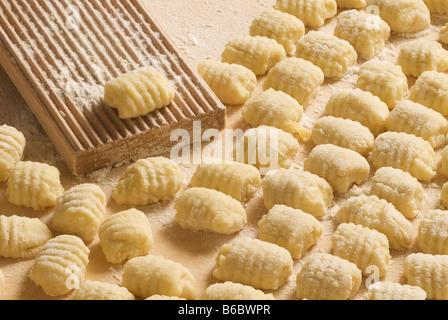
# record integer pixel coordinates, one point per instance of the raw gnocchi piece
(96, 290)
(208, 210)
(444, 162)
(443, 34)
(384, 80)
(399, 188)
(283, 27)
(238, 180)
(297, 189)
(289, 228)
(422, 55)
(407, 152)
(61, 265)
(22, 237)
(253, 262)
(360, 106)
(403, 15)
(276, 109)
(138, 93)
(12, 146)
(362, 246)
(351, 4)
(235, 291)
(414, 118)
(34, 185)
(163, 297)
(444, 195)
(327, 277)
(432, 232)
(148, 181)
(437, 6)
(80, 211)
(313, 13)
(394, 291)
(339, 166)
(429, 272)
(125, 235)
(258, 54)
(296, 77)
(344, 133)
(431, 90)
(368, 41)
(266, 148)
(150, 275)
(380, 215)
(332, 55)
(232, 83)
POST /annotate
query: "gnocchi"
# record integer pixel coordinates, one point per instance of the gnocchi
(138, 93)
(148, 181)
(422, 55)
(297, 189)
(431, 90)
(12, 146)
(339, 166)
(428, 272)
(444, 162)
(445, 194)
(351, 4)
(80, 211)
(374, 213)
(394, 291)
(368, 41)
(289, 73)
(258, 54)
(61, 265)
(437, 6)
(362, 246)
(34, 185)
(125, 235)
(22, 237)
(313, 13)
(95, 290)
(432, 236)
(253, 262)
(360, 106)
(283, 27)
(208, 210)
(154, 275)
(327, 277)
(407, 152)
(443, 34)
(332, 55)
(163, 297)
(232, 83)
(289, 228)
(234, 291)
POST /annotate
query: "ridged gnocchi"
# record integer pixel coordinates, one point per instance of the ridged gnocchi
(235, 291)
(437, 6)
(208, 210)
(289, 228)
(138, 93)
(332, 55)
(407, 152)
(162, 297)
(374, 213)
(422, 55)
(432, 236)
(362, 246)
(61, 265)
(431, 90)
(360, 106)
(258, 54)
(444, 195)
(148, 181)
(339, 166)
(22, 237)
(232, 83)
(290, 72)
(150, 275)
(297, 189)
(283, 27)
(238, 180)
(384, 80)
(12, 146)
(429, 272)
(125, 235)
(327, 277)
(351, 4)
(368, 41)
(34, 185)
(99, 291)
(313, 13)
(253, 262)
(394, 291)
(80, 211)
(443, 34)
(444, 162)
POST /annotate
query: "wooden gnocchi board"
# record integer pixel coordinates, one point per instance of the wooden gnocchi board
(60, 53)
